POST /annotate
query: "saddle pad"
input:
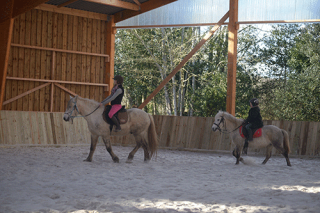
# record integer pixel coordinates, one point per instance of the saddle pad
(256, 134)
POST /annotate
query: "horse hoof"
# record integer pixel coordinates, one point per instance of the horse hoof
(87, 160)
(116, 160)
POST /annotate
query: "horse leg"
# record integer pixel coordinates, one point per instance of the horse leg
(268, 153)
(236, 154)
(285, 153)
(94, 140)
(131, 154)
(109, 149)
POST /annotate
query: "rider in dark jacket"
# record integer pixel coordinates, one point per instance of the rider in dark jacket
(254, 121)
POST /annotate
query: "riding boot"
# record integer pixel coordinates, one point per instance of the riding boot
(245, 147)
(250, 134)
(116, 122)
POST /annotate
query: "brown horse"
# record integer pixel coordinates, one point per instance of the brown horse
(140, 124)
(272, 136)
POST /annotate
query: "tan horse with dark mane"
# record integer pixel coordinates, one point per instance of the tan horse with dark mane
(140, 124)
(272, 136)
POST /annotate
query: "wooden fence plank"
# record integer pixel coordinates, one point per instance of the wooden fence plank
(88, 58)
(64, 60)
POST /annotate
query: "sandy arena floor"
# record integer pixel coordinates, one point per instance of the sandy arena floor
(43, 179)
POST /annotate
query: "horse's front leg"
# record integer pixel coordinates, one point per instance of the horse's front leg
(236, 154)
(109, 149)
(94, 141)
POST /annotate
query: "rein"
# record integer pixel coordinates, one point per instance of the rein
(76, 107)
(225, 130)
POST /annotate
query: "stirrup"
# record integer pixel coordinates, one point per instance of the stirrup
(117, 130)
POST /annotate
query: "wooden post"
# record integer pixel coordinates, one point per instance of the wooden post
(184, 61)
(110, 43)
(6, 27)
(232, 57)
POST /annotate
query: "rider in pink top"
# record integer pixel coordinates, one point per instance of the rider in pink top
(115, 98)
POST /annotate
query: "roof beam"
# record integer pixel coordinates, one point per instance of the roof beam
(66, 3)
(137, 2)
(145, 7)
(117, 3)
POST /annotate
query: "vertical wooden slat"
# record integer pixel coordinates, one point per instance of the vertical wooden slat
(15, 57)
(64, 60)
(49, 54)
(55, 45)
(79, 57)
(33, 42)
(27, 55)
(84, 58)
(58, 73)
(93, 59)
(69, 58)
(43, 65)
(74, 47)
(98, 97)
(21, 59)
(88, 65)
(102, 61)
(38, 61)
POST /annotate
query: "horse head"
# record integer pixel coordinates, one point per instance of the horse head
(72, 109)
(218, 121)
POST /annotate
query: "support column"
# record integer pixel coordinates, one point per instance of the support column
(6, 27)
(110, 44)
(232, 57)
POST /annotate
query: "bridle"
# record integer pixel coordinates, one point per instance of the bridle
(75, 107)
(223, 121)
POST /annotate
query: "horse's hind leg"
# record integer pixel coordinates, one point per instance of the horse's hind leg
(268, 153)
(141, 140)
(109, 149)
(131, 154)
(236, 154)
(283, 152)
(94, 140)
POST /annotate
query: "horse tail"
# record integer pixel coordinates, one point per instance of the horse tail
(286, 144)
(152, 137)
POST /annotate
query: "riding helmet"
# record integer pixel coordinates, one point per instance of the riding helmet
(254, 102)
(119, 79)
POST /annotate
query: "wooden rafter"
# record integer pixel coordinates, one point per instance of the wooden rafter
(66, 3)
(137, 2)
(117, 3)
(145, 7)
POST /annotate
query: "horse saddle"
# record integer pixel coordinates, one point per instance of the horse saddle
(256, 132)
(121, 115)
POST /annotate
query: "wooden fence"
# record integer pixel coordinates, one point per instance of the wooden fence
(42, 128)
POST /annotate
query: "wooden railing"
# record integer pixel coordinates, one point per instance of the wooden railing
(43, 128)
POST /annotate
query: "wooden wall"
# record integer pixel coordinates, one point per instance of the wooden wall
(53, 30)
(41, 128)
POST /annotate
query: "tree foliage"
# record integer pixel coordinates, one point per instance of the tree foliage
(279, 66)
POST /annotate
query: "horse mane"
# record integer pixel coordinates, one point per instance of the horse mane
(230, 117)
(89, 102)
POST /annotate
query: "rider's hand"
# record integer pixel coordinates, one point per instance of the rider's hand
(100, 105)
